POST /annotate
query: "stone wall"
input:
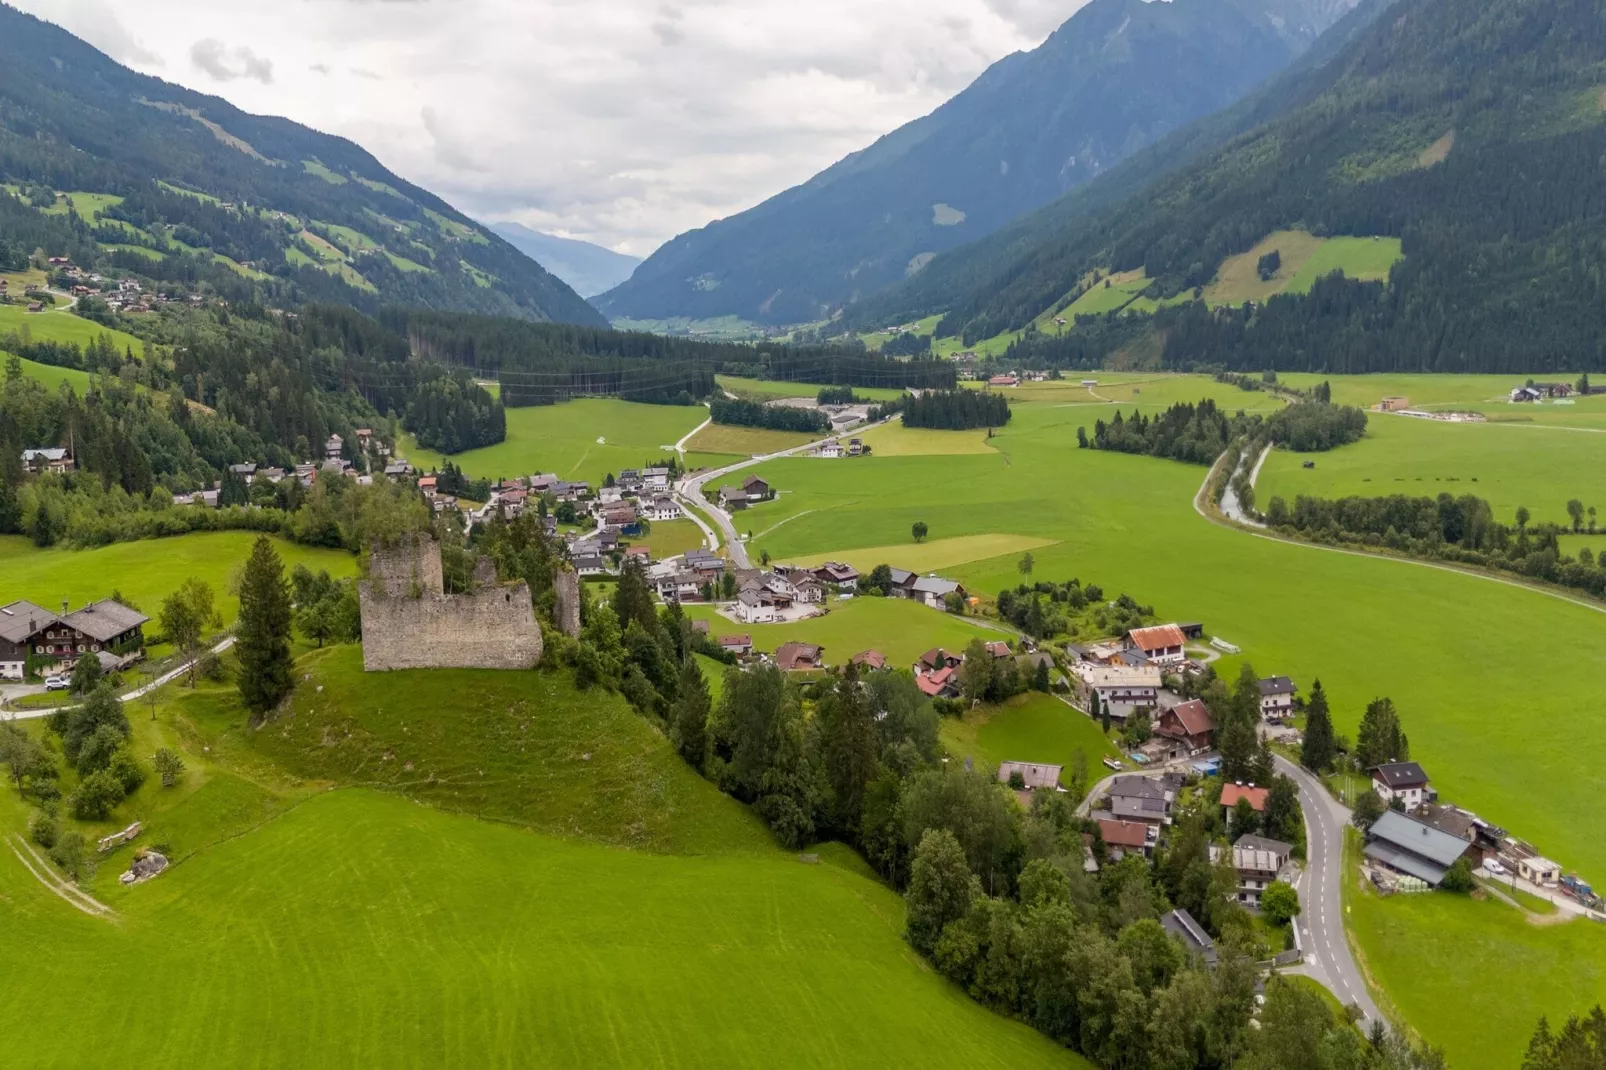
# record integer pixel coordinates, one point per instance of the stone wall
(567, 583)
(407, 623)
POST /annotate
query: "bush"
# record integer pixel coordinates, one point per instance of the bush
(71, 853)
(126, 768)
(169, 766)
(1459, 877)
(97, 796)
(44, 830)
(1280, 903)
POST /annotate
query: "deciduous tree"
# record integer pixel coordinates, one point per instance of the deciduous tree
(940, 888)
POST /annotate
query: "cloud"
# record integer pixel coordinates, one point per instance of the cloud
(318, 68)
(96, 21)
(667, 26)
(226, 64)
(451, 149)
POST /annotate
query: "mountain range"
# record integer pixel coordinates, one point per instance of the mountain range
(1469, 133)
(590, 269)
(122, 170)
(1117, 76)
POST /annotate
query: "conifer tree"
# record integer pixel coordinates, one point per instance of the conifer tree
(688, 721)
(263, 633)
(1316, 753)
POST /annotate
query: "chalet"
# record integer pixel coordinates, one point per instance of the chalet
(1555, 390)
(756, 489)
(1405, 845)
(590, 564)
(1277, 698)
(998, 649)
(808, 590)
(655, 478)
(100, 627)
(607, 495)
(642, 555)
(206, 499)
(1188, 932)
(1405, 781)
(246, 471)
(937, 658)
(838, 574)
(753, 608)
(427, 484)
(661, 509)
(398, 470)
(1190, 724)
(830, 450)
(1258, 860)
(740, 645)
(1525, 393)
(680, 587)
(1232, 794)
(1144, 799)
(732, 499)
(943, 683)
(1121, 690)
(333, 447)
(1003, 380)
(619, 513)
(856, 447)
(540, 484)
(869, 659)
(708, 566)
(1127, 837)
(36, 306)
(903, 582)
(630, 478)
(934, 592)
(799, 657)
(20, 622)
(1161, 644)
(50, 459)
(1034, 774)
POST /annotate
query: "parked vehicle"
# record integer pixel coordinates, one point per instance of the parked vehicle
(1494, 866)
(1113, 763)
(1573, 886)
(57, 683)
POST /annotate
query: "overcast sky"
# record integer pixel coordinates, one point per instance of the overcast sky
(622, 122)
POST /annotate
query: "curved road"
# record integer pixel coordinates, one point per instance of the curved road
(690, 491)
(138, 692)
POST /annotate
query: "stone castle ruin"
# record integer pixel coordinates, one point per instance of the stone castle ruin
(409, 622)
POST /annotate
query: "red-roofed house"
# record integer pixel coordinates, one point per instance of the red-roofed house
(1232, 793)
(1161, 644)
(998, 649)
(736, 644)
(870, 659)
(1125, 837)
(1190, 724)
(427, 485)
(799, 657)
(944, 683)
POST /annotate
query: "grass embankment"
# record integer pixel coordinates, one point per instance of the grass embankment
(59, 325)
(564, 439)
(1030, 728)
(146, 571)
(1539, 467)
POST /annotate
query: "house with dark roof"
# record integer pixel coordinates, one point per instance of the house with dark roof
(1258, 860)
(1141, 798)
(1405, 781)
(1033, 775)
(937, 658)
(101, 627)
(903, 582)
(941, 683)
(1277, 698)
(835, 572)
(19, 623)
(1180, 924)
(756, 489)
(934, 591)
(732, 498)
(1405, 845)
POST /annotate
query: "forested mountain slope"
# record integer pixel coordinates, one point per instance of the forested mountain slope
(186, 188)
(1472, 132)
(1118, 75)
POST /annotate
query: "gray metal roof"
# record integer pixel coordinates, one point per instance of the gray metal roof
(1405, 861)
(1401, 774)
(105, 619)
(1409, 834)
(22, 619)
(1193, 936)
(934, 585)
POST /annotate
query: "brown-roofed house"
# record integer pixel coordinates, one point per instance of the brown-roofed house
(870, 659)
(1190, 724)
(1161, 644)
(799, 657)
(1124, 837)
(736, 644)
(999, 649)
(936, 658)
(1232, 793)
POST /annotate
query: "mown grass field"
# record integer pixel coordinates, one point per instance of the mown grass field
(900, 629)
(563, 439)
(1490, 964)
(146, 571)
(1537, 466)
(768, 388)
(746, 441)
(931, 556)
(1030, 728)
(896, 440)
(670, 537)
(62, 326)
(53, 376)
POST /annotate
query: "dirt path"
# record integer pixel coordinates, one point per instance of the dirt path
(42, 871)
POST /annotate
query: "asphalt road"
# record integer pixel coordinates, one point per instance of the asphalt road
(129, 696)
(1321, 924)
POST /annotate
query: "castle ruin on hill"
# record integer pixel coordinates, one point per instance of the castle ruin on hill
(409, 622)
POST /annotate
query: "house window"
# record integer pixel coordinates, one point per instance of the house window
(80, 648)
(39, 650)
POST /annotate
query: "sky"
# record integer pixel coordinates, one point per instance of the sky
(622, 122)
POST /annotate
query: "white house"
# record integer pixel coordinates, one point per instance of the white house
(1405, 781)
(752, 609)
(1161, 644)
(1276, 698)
(831, 449)
(662, 509)
(1122, 689)
(933, 591)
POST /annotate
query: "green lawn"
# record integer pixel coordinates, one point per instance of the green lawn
(563, 439)
(87, 205)
(62, 326)
(934, 555)
(145, 571)
(1030, 728)
(53, 376)
(900, 629)
(747, 441)
(1357, 258)
(361, 929)
(1536, 466)
(1490, 965)
(670, 537)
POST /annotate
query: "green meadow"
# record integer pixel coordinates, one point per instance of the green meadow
(898, 628)
(769, 388)
(1030, 728)
(1533, 465)
(61, 326)
(582, 439)
(53, 376)
(146, 571)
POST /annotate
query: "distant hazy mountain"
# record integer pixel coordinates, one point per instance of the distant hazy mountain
(1117, 76)
(185, 187)
(590, 269)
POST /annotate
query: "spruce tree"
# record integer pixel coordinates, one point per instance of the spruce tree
(1316, 753)
(848, 732)
(688, 721)
(1380, 738)
(263, 634)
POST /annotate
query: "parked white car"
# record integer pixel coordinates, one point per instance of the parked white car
(1494, 866)
(57, 683)
(1113, 764)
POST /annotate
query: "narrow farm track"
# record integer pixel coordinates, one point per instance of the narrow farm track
(1477, 574)
(41, 871)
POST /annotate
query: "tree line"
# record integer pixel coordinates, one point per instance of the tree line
(953, 410)
(741, 413)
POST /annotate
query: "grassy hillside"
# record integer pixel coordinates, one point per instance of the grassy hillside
(373, 930)
(62, 326)
(900, 629)
(1031, 728)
